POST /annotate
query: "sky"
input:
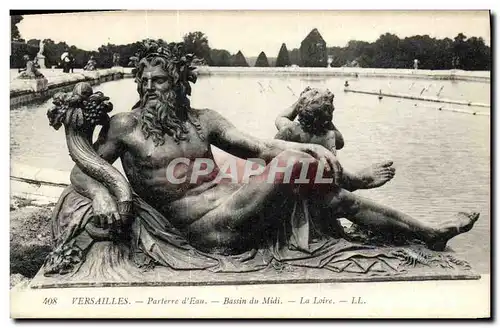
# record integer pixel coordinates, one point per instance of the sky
(250, 31)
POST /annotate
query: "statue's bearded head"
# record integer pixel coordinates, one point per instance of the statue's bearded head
(316, 110)
(163, 75)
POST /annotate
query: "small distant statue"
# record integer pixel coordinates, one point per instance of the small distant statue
(415, 63)
(353, 63)
(40, 58)
(116, 59)
(132, 61)
(30, 71)
(199, 62)
(40, 52)
(329, 61)
(91, 65)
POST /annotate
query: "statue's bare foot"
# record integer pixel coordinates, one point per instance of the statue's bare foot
(447, 230)
(377, 175)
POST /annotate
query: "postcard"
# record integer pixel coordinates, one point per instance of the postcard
(250, 164)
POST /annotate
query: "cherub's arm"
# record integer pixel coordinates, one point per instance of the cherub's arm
(225, 136)
(339, 139)
(287, 116)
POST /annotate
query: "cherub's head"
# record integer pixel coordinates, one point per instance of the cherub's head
(315, 110)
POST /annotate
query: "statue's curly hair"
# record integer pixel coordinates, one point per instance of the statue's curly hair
(174, 60)
(310, 117)
(177, 62)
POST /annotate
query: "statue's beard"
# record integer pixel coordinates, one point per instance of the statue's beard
(162, 115)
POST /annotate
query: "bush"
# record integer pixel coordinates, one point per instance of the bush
(239, 60)
(262, 60)
(283, 57)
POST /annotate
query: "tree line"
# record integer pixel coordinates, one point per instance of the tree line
(388, 51)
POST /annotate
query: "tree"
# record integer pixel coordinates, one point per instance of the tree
(33, 43)
(459, 50)
(476, 55)
(283, 57)
(53, 51)
(14, 31)
(262, 60)
(18, 50)
(313, 50)
(387, 52)
(239, 60)
(220, 57)
(197, 44)
(338, 56)
(420, 47)
(444, 54)
(295, 56)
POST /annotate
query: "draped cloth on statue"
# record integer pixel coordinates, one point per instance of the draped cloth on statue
(156, 242)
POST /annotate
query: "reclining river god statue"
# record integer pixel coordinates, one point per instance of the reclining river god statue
(177, 208)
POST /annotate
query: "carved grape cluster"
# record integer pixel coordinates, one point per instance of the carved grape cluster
(57, 113)
(94, 107)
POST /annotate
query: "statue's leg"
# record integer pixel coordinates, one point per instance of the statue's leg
(368, 213)
(373, 176)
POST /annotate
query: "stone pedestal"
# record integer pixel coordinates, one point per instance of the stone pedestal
(34, 85)
(41, 61)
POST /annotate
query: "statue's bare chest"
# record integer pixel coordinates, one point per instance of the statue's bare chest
(144, 152)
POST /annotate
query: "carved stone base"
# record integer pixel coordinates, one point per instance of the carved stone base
(34, 85)
(111, 268)
(41, 61)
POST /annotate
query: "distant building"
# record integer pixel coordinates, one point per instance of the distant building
(313, 50)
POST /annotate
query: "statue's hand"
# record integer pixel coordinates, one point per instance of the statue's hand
(332, 165)
(106, 214)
